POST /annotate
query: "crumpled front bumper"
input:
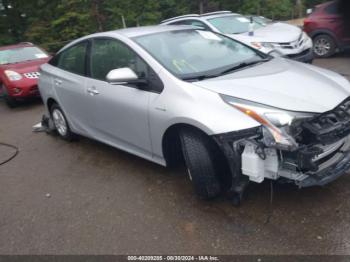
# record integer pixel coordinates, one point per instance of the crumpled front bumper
(329, 174)
(306, 56)
(304, 167)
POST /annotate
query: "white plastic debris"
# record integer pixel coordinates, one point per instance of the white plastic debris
(39, 128)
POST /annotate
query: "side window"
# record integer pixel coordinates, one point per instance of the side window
(73, 59)
(54, 60)
(183, 22)
(193, 23)
(198, 24)
(108, 54)
(332, 9)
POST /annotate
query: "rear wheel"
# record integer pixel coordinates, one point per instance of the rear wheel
(202, 166)
(61, 124)
(10, 101)
(324, 46)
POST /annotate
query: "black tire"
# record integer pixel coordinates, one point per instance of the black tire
(68, 134)
(324, 46)
(10, 101)
(198, 151)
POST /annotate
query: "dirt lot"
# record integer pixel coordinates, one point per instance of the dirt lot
(87, 198)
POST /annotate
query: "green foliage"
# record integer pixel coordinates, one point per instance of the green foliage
(53, 23)
(278, 8)
(251, 7)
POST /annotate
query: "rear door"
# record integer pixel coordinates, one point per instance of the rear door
(69, 84)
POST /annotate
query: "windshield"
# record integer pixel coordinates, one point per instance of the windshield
(17, 55)
(233, 24)
(191, 53)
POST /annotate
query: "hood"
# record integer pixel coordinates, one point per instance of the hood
(273, 33)
(25, 67)
(284, 84)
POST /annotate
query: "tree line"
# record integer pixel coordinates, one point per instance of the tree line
(52, 23)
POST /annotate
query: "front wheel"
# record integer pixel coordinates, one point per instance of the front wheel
(61, 123)
(324, 46)
(198, 151)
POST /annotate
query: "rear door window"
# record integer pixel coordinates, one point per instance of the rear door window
(73, 59)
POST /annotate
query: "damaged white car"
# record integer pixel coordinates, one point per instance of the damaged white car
(232, 113)
(280, 39)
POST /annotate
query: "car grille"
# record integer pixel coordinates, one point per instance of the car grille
(291, 45)
(32, 75)
(333, 124)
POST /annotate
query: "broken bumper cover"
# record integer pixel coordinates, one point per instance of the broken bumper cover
(250, 159)
(329, 174)
(305, 56)
(318, 153)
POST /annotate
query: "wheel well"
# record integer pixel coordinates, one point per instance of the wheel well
(171, 144)
(172, 151)
(50, 102)
(328, 34)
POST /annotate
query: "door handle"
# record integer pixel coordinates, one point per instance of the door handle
(92, 91)
(57, 82)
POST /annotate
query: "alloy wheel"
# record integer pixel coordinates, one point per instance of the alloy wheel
(322, 46)
(60, 122)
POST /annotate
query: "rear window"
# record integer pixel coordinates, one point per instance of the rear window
(233, 24)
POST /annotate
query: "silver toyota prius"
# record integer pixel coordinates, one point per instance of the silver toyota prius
(176, 94)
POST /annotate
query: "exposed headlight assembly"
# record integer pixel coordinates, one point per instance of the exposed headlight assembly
(12, 75)
(276, 122)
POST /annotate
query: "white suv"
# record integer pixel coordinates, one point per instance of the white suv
(290, 41)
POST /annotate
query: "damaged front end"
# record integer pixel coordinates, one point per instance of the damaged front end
(302, 148)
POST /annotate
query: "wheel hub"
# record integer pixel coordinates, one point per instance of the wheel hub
(60, 122)
(322, 46)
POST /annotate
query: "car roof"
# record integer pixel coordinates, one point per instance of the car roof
(131, 32)
(6, 47)
(148, 30)
(205, 16)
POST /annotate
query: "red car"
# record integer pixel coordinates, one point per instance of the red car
(19, 65)
(326, 26)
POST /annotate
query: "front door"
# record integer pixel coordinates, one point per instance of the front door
(120, 112)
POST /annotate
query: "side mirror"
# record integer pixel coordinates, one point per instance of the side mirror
(122, 76)
(309, 11)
